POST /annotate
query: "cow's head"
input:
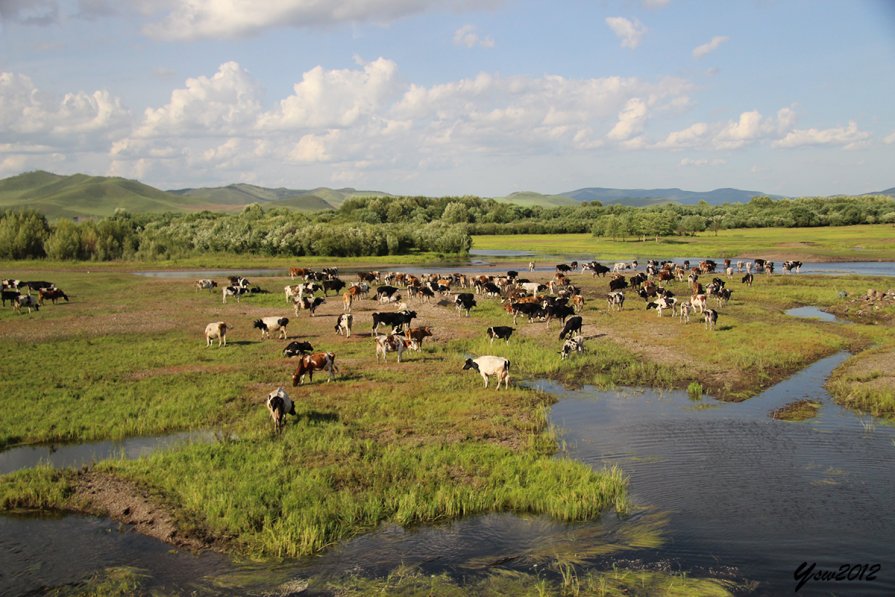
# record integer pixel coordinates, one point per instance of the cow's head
(470, 364)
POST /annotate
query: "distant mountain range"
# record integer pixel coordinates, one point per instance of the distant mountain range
(81, 195)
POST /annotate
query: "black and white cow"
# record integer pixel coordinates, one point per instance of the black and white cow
(279, 405)
(309, 303)
(465, 301)
(575, 344)
(343, 324)
(385, 294)
(235, 291)
(296, 348)
(615, 300)
(711, 318)
(271, 324)
(501, 332)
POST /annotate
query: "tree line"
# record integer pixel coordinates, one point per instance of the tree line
(377, 226)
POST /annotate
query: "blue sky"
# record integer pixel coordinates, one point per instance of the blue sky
(454, 97)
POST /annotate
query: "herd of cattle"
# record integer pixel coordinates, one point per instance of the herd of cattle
(18, 294)
(538, 301)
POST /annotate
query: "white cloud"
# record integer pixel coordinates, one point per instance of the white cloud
(223, 104)
(468, 37)
(631, 120)
(701, 163)
(694, 135)
(849, 137)
(193, 19)
(890, 138)
(629, 32)
(708, 48)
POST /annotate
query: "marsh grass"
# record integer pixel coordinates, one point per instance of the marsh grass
(800, 410)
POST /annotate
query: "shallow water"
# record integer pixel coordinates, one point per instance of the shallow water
(813, 313)
(73, 455)
(731, 492)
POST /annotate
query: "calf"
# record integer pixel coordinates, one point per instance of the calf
(490, 365)
(347, 300)
(272, 324)
(711, 318)
(502, 332)
(343, 324)
(699, 302)
(319, 361)
(216, 331)
(747, 279)
(571, 345)
(572, 325)
(393, 343)
(465, 302)
(723, 296)
(279, 405)
(25, 301)
(206, 285)
(296, 348)
(685, 310)
(615, 300)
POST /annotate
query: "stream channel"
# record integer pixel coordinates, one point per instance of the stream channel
(727, 491)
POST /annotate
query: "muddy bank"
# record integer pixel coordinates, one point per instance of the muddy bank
(103, 494)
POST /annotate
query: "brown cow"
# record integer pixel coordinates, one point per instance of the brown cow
(418, 334)
(298, 272)
(318, 361)
(54, 294)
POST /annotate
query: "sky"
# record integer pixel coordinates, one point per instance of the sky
(454, 97)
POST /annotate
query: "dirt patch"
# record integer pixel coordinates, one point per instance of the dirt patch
(103, 494)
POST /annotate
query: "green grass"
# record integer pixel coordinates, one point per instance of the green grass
(800, 410)
(845, 243)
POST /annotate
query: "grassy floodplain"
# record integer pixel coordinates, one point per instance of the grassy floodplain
(842, 243)
(413, 442)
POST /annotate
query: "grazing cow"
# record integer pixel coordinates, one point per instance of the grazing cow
(296, 348)
(747, 279)
(239, 281)
(236, 291)
(663, 303)
(562, 267)
(502, 332)
(723, 296)
(571, 345)
(465, 302)
(711, 318)
(206, 284)
(299, 272)
(396, 320)
(615, 300)
(386, 294)
(531, 310)
(279, 405)
(533, 287)
(318, 361)
(347, 300)
(343, 324)
(308, 303)
(216, 331)
(491, 289)
(53, 294)
(25, 301)
(617, 283)
(598, 269)
(560, 312)
(418, 335)
(271, 324)
(334, 284)
(572, 325)
(9, 294)
(393, 343)
(490, 365)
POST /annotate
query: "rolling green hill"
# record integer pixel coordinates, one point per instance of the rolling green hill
(532, 199)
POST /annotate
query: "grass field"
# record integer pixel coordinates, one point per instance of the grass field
(413, 442)
(845, 243)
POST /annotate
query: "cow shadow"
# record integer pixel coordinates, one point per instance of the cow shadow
(724, 328)
(241, 342)
(314, 416)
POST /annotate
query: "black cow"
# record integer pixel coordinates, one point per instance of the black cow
(334, 284)
(9, 295)
(572, 325)
(386, 292)
(560, 312)
(747, 279)
(502, 332)
(617, 284)
(491, 289)
(530, 310)
(296, 348)
(465, 301)
(562, 267)
(396, 320)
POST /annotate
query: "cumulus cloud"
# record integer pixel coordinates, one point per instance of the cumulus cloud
(708, 48)
(193, 19)
(631, 120)
(468, 37)
(223, 104)
(849, 137)
(629, 32)
(694, 135)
